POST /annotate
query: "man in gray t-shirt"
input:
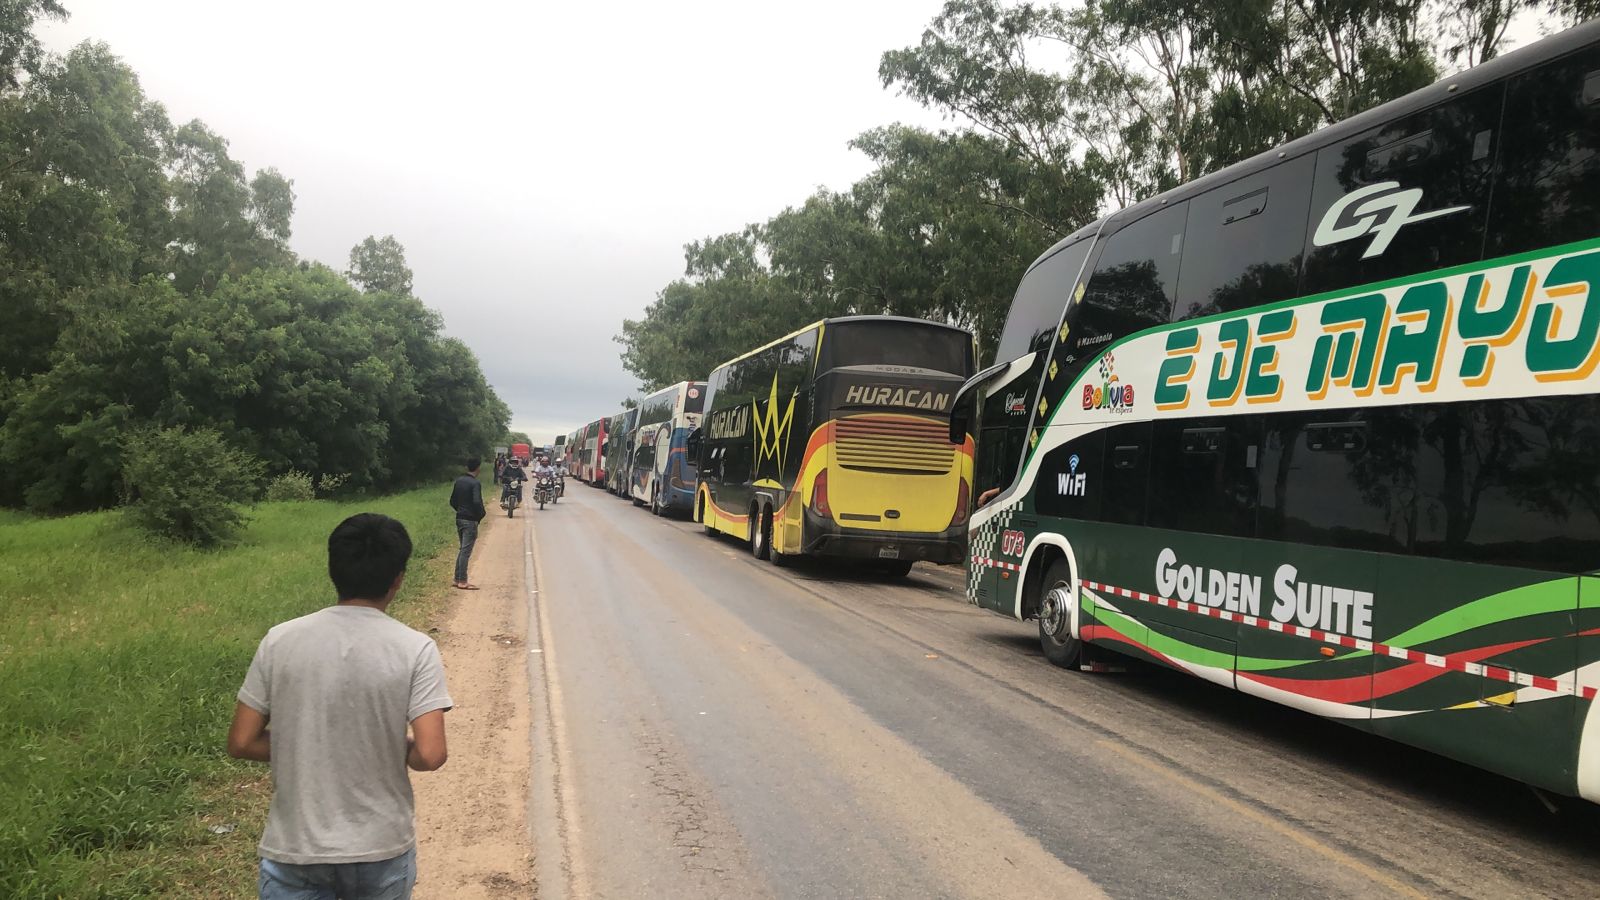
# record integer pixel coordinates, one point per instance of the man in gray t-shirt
(339, 688)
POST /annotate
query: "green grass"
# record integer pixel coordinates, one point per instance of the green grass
(119, 660)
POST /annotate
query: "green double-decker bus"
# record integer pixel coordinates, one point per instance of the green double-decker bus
(1323, 426)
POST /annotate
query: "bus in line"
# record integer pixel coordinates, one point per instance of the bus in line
(1322, 426)
(615, 449)
(661, 475)
(831, 441)
(587, 464)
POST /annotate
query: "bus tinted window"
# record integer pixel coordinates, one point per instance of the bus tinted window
(1511, 483)
(1041, 298)
(1126, 473)
(1328, 478)
(897, 343)
(1131, 289)
(694, 399)
(1440, 161)
(1205, 474)
(1549, 185)
(1134, 279)
(1244, 241)
(795, 360)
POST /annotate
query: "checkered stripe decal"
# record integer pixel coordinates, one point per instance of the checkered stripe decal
(982, 544)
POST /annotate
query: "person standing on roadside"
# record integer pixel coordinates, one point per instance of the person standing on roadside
(340, 687)
(466, 498)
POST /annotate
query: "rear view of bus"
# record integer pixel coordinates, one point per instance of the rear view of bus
(833, 441)
(890, 485)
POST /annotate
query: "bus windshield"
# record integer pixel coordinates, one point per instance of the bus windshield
(896, 343)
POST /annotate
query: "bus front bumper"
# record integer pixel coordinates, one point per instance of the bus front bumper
(825, 537)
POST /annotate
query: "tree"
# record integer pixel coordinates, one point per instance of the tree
(726, 299)
(379, 264)
(83, 197)
(20, 52)
(224, 225)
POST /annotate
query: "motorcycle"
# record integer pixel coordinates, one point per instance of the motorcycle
(510, 496)
(544, 490)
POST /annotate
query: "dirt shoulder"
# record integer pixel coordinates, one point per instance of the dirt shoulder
(472, 833)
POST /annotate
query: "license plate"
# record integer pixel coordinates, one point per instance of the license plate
(888, 552)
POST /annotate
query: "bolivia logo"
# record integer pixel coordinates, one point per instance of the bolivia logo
(1111, 392)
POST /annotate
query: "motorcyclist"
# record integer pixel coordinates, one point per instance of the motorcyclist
(512, 477)
(543, 470)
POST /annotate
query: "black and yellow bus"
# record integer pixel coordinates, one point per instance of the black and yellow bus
(832, 441)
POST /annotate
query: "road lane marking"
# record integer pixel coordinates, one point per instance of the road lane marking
(567, 825)
(1297, 835)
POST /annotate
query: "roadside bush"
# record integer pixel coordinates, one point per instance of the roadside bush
(188, 485)
(291, 485)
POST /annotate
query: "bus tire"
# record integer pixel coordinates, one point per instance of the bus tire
(656, 509)
(760, 532)
(1055, 620)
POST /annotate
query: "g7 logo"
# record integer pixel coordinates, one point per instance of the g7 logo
(1380, 210)
(1012, 543)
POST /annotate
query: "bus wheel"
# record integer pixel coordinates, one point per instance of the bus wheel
(1056, 606)
(655, 502)
(760, 533)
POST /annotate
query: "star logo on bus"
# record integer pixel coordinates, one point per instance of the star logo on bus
(1065, 329)
(1053, 370)
(1043, 405)
(772, 432)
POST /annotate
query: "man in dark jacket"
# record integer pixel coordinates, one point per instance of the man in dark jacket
(467, 500)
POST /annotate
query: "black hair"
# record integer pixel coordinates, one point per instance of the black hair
(473, 463)
(366, 553)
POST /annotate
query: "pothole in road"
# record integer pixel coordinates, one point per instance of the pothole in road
(506, 640)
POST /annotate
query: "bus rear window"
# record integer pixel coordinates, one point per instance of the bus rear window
(890, 343)
(695, 399)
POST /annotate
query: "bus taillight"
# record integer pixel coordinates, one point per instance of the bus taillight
(963, 499)
(819, 495)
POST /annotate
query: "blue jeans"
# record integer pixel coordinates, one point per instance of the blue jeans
(386, 879)
(467, 530)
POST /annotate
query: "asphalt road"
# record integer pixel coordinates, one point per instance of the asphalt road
(708, 725)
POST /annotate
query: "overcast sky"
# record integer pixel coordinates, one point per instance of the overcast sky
(542, 163)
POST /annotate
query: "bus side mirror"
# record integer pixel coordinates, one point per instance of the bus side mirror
(691, 444)
(960, 424)
(963, 406)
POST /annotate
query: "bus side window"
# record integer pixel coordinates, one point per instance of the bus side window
(1003, 424)
(1126, 473)
(1135, 279)
(1069, 482)
(1548, 188)
(1205, 474)
(1040, 301)
(1245, 241)
(1336, 483)
(1439, 160)
(1509, 483)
